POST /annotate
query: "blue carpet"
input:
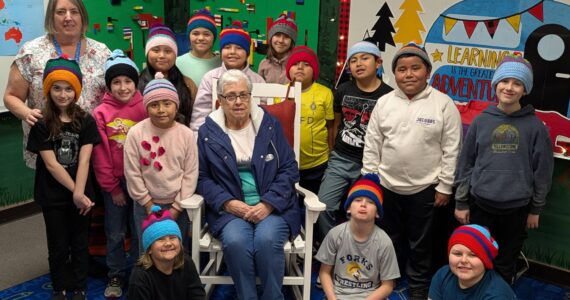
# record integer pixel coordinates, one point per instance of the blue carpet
(40, 288)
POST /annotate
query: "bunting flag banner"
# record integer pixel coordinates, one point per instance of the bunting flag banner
(491, 27)
(514, 20)
(469, 27)
(449, 23)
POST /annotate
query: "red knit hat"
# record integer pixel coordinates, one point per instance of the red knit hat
(303, 53)
(478, 239)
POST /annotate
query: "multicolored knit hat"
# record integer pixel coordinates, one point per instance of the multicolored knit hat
(202, 18)
(119, 64)
(234, 34)
(284, 25)
(367, 186)
(411, 49)
(160, 89)
(514, 66)
(160, 35)
(478, 239)
(303, 53)
(157, 225)
(62, 69)
(363, 47)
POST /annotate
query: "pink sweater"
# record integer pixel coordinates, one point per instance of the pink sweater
(114, 119)
(161, 165)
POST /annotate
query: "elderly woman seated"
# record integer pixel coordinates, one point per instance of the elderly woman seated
(247, 177)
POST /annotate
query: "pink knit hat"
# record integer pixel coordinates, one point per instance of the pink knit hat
(160, 35)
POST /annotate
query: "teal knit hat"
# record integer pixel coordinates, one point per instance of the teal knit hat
(157, 225)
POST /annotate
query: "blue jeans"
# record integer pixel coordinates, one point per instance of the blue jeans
(340, 175)
(251, 249)
(182, 221)
(116, 220)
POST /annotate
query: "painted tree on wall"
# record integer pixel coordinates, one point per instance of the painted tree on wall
(383, 28)
(410, 24)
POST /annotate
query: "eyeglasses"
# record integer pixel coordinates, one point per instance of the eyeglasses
(232, 98)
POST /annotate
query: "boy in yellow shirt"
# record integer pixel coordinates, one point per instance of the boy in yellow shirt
(317, 117)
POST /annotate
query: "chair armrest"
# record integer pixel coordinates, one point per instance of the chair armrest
(312, 202)
(193, 202)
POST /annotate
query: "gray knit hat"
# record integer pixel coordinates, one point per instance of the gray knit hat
(284, 25)
(411, 49)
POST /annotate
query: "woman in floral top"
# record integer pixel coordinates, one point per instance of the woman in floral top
(66, 22)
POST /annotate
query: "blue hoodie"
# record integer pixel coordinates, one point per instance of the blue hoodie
(506, 161)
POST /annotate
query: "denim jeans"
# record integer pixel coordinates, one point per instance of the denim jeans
(117, 218)
(251, 249)
(340, 175)
(182, 221)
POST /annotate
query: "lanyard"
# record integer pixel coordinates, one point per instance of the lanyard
(60, 53)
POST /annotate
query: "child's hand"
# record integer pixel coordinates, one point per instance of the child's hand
(83, 203)
(441, 199)
(532, 221)
(174, 213)
(119, 199)
(462, 216)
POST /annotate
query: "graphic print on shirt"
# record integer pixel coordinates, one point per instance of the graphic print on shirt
(66, 148)
(356, 113)
(505, 139)
(119, 129)
(356, 267)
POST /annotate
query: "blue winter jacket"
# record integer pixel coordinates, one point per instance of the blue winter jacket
(273, 166)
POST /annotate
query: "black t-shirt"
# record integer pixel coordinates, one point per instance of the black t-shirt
(356, 107)
(151, 284)
(47, 190)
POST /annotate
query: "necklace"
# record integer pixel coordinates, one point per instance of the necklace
(60, 52)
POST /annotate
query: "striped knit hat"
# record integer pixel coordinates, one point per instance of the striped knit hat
(119, 64)
(284, 25)
(478, 239)
(234, 34)
(514, 66)
(411, 49)
(160, 89)
(157, 225)
(303, 53)
(62, 69)
(160, 35)
(367, 186)
(204, 19)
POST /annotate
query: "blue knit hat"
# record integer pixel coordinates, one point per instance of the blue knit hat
(367, 186)
(514, 66)
(202, 18)
(160, 89)
(119, 64)
(363, 47)
(157, 225)
(234, 34)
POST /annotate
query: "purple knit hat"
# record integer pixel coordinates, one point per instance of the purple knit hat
(160, 35)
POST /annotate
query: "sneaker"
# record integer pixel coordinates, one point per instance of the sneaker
(114, 288)
(58, 296)
(79, 295)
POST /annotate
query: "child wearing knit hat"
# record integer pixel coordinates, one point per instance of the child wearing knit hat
(163, 271)
(235, 45)
(161, 163)
(354, 101)
(201, 31)
(282, 36)
(357, 257)
(317, 137)
(470, 274)
(63, 141)
(161, 51)
(505, 168)
(121, 108)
